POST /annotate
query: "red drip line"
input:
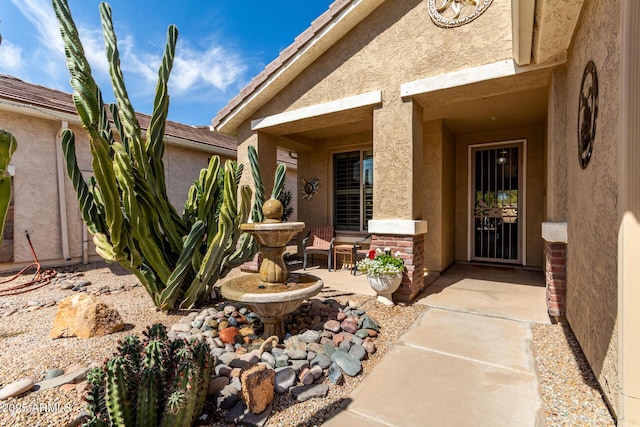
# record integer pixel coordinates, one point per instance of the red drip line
(39, 279)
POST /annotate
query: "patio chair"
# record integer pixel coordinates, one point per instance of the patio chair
(359, 251)
(318, 240)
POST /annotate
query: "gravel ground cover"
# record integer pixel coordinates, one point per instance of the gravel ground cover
(569, 389)
(27, 350)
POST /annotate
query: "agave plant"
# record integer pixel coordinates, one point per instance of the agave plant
(178, 258)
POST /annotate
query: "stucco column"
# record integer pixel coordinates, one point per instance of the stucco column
(397, 199)
(266, 147)
(556, 150)
(629, 212)
(397, 153)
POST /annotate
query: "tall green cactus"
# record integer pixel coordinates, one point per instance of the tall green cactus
(177, 258)
(8, 146)
(167, 386)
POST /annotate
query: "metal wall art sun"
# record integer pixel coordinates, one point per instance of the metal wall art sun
(309, 187)
(587, 113)
(454, 13)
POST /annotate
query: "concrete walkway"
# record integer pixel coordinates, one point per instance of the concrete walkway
(467, 361)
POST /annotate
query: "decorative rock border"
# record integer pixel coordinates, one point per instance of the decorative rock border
(327, 340)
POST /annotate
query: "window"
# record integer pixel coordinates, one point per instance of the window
(353, 190)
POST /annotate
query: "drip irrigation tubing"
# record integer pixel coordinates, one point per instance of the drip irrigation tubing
(40, 278)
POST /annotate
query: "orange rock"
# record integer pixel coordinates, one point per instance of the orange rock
(68, 387)
(228, 335)
(85, 316)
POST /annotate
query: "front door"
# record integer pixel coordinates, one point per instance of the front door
(497, 202)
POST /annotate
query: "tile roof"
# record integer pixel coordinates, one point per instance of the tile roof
(16, 90)
(316, 26)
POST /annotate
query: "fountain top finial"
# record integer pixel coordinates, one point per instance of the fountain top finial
(272, 210)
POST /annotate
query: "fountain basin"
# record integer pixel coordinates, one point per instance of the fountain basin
(273, 235)
(273, 301)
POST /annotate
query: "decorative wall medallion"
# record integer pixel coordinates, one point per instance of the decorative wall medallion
(454, 13)
(309, 188)
(587, 113)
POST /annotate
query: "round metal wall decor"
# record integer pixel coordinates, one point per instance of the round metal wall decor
(587, 113)
(309, 187)
(454, 13)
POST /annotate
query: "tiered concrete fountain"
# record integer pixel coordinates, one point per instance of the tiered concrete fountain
(272, 293)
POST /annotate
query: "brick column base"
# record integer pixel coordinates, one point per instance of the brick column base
(556, 277)
(411, 250)
(252, 266)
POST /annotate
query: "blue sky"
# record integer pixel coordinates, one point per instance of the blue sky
(222, 45)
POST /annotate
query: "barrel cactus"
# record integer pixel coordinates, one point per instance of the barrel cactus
(178, 258)
(156, 382)
(8, 146)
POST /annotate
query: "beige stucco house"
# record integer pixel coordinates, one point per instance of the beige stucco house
(44, 202)
(501, 132)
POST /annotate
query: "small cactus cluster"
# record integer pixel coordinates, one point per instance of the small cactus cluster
(156, 382)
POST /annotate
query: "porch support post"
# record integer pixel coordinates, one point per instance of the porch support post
(266, 146)
(397, 200)
(267, 157)
(397, 153)
(629, 219)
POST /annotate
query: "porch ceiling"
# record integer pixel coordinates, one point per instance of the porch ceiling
(512, 110)
(327, 125)
(509, 102)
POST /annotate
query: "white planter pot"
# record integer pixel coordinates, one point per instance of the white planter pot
(385, 285)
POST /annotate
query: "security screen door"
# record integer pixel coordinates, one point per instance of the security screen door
(497, 203)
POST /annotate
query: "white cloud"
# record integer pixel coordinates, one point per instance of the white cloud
(93, 45)
(198, 72)
(217, 67)
(11, 59)
(40, 14)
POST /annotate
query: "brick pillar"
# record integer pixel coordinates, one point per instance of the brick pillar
(252, 266)
(556, 277)
(411, 250)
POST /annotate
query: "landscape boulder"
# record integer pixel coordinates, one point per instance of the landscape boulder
(258, 384)
(85, 316)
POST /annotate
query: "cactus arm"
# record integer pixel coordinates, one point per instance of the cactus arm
(256, 213)
(139, 219)
(96, 406)
(208, 182)
(155, 132)
(247, 247)
(203, 359)
(279, 182)
(119, 404)
(218, 246)
(149, 398)
(126, 112)
(8, 146)
(86, 200)
(183, 267)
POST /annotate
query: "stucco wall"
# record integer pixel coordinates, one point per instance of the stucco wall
(397, 43)
(592, 194)
(36, 189)
(534, 191)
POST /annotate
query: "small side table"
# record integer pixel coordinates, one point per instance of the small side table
(344, 250)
